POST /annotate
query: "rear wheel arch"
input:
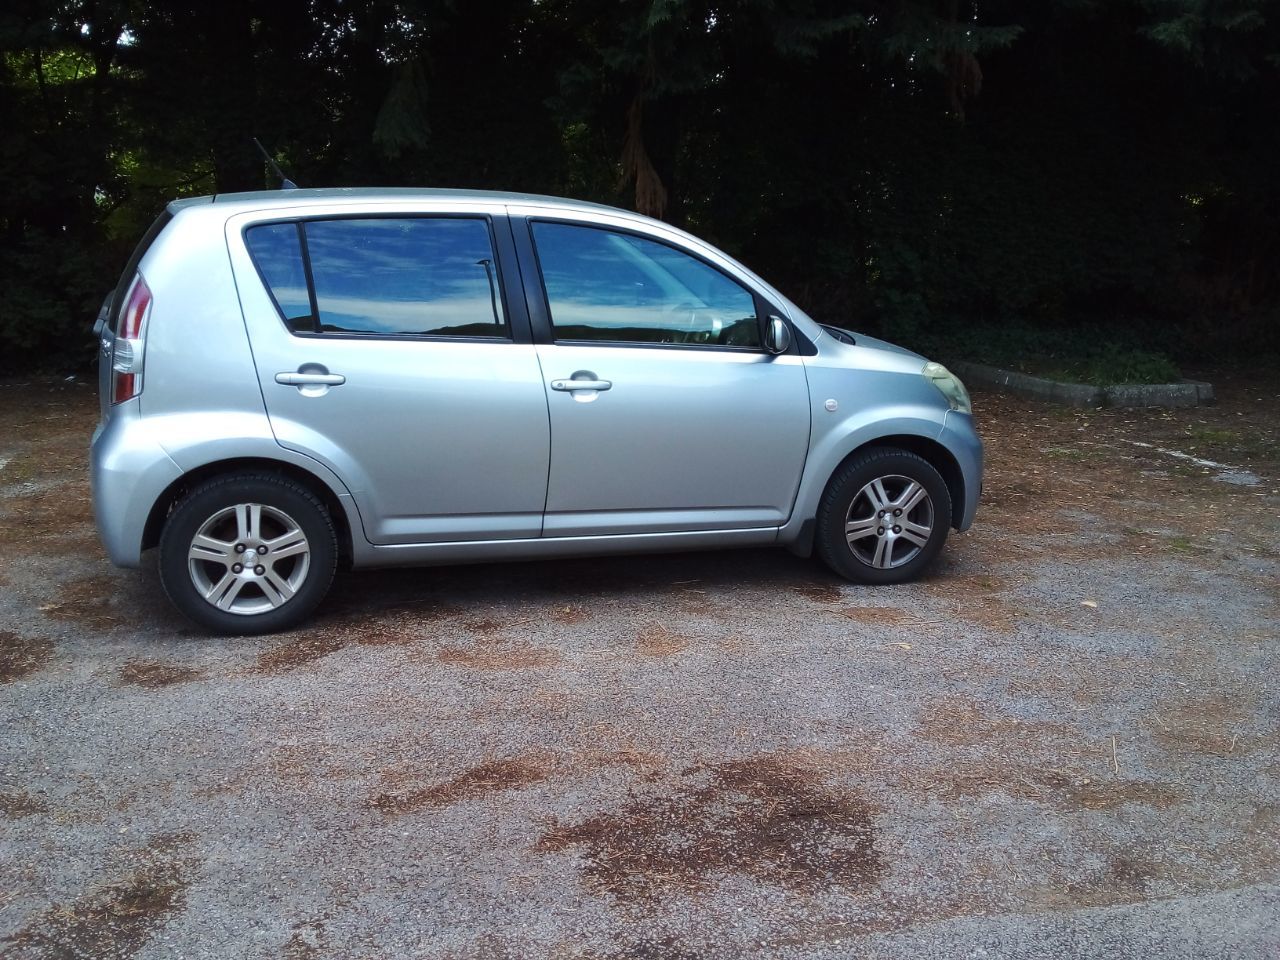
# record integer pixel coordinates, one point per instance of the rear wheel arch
(188, 481)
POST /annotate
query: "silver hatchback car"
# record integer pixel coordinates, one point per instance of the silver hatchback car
(294, 380)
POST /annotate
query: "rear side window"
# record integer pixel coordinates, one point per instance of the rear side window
(423, 276)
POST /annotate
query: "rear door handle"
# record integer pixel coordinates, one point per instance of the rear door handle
(572, 385)
(311, 379)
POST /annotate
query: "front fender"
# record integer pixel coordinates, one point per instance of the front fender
(843, 437)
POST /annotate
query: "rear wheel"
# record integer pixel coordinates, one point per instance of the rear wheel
(884, 517)
(248, 553)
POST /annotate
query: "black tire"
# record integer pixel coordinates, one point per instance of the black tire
(846, 499)
(284, 505)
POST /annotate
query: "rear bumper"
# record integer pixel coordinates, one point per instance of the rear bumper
(959, 436)
(128, 472)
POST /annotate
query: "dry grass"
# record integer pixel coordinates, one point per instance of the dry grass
(20, 657)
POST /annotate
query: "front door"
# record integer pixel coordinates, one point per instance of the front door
(385, 350)
(666, 413)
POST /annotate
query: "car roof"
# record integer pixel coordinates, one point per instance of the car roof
(278, 198)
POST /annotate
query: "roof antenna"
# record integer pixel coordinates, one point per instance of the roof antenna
(285, 182)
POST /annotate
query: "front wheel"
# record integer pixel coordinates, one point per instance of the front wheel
(249, 553)
(884, 517)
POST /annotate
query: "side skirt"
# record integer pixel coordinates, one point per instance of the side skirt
(488, 551)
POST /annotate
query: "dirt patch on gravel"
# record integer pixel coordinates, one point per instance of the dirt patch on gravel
(327, 638)
(91, 602)
(298, 652)
(57, 522)
(155, 674)
(660, 642)
(570, 615)
(1206, 725)
(22, 656)
(766, 817)
(879, 616)
(821, 591)
(1070, 791)
(17, 804)
(1044, 461)
(499, 656)
(117, 919)
(959, 721)
(491, 777)
(979, 599)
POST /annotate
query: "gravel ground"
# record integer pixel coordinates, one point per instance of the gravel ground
(1062, 743)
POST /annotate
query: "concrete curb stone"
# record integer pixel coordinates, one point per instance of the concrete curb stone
(1187, 393)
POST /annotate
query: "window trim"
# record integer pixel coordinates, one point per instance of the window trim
(513, 327)
(762, 307)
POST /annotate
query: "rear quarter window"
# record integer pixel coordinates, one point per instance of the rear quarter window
(276, 249)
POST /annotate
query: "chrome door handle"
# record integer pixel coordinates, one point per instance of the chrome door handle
(310, 379)
(572, 385)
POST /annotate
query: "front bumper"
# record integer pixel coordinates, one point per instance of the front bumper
(959, 436)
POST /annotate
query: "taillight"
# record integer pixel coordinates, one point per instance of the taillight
(126, 353)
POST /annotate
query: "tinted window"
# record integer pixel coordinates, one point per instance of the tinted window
(411, 276)
(397, 277)
(277, 251)
(603, 285)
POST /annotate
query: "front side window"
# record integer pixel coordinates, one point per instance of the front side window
(425, 276)
(610, 286)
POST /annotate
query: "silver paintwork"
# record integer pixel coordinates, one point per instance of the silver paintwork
(233, 557)
(444, 452)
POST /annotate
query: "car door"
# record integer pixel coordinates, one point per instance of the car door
(666, 412)
(386, 349)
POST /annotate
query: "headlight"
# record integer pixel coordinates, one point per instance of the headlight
(949, 386)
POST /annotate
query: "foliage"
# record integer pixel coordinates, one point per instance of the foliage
(909, 167)
(1082, 354)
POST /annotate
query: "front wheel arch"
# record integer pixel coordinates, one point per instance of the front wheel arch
(893, 481)
(932, 452)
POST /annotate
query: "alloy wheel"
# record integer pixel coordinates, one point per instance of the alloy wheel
(248, 559)
(889, 522)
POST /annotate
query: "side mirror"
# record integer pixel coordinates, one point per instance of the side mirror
(777, 337)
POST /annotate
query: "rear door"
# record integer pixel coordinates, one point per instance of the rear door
(667, 415)
(386, 348)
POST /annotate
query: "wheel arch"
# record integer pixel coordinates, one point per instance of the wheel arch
(175, 491)
(931, 451)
